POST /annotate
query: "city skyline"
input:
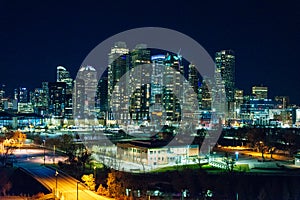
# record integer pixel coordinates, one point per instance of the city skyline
(247, 91)
(264, 36)
(149, 99)
(124, 95)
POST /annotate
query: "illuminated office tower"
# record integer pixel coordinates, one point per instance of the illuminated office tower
(156, 107)
(157, 78)
(64, 76)
(260, 92)
(173, 74)
(206, 95)
(57, 99)
(21, 95)
(238, 101)
(139, 83)
(78, 99)
(22, 99)
(225, 79)
(2, 95)
(102, 93)
(118, 65)
(194, 80)
(282, 101)
(89, 76)
(45, 88)
(39, 100)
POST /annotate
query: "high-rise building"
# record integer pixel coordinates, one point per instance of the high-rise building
(118, 65)
(225, 64)
(45, 89)
(78, 99)
(194, 81)
(173, 75)
(63, 75)
(157, 79)
(206, 94)
(21, 95)
(89, 76)
(139, 83)
(102, 93)
(257, 110)
(39, 100)
(57, 99)
(156, 107)
(2, 95)
(225, 67)
(238, 101)
(260, 92)
(282, 101)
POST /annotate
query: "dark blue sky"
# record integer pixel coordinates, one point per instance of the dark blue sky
(36, 36)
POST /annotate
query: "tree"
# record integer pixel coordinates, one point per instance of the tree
(11, 141)
(102, 190)
(254, 136)
(261, 148)
(89, 180)
(257, 139)
(290, 139)
(114, 184)
(5, 188)
(271, 150)
(84, 158)
(66, 142)
(230, 162)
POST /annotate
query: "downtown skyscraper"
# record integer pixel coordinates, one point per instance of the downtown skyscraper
(85, 93)
(225, 80)
(139, 83)
(63, 75)
(118, 65)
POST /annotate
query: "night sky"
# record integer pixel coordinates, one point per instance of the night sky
(37, 36)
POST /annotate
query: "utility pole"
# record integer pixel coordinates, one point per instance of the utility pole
(44, 141)
(56, 174)
(77, 189)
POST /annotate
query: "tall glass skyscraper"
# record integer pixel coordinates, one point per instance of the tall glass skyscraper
(225, 77)
(118, 65)
(140, 82)
(172, 80)
(157, 78)
(88, 75)
(57, 99)
(225, 64)
(63, 75)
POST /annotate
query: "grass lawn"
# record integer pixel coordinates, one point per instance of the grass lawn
(241, 168)
(182, 167)
(206, 167)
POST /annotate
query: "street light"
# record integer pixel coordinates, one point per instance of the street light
(56, 174)
(95, 172)
(44, 141)
(53, 154)
(77, 189)
(236, 155)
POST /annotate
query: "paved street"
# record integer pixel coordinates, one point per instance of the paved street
(66, 185)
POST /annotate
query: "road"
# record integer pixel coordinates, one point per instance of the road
(66, 185)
